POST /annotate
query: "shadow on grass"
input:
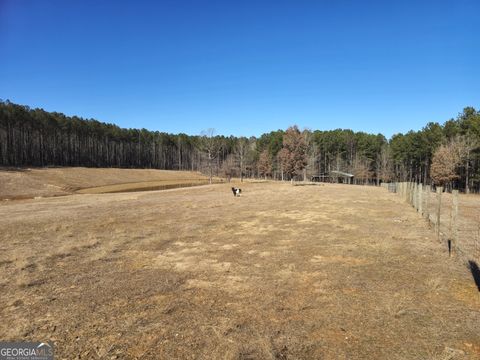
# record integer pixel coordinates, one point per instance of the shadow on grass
(475, 272)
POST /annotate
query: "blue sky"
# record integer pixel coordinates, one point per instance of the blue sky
(244, 67)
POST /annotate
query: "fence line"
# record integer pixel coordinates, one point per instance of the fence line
(455, 218)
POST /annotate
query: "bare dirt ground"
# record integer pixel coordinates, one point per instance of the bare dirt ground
(283, 272)
(46, 182)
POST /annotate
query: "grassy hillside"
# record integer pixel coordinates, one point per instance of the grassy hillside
(29, 183)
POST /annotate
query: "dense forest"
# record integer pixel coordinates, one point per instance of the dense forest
(445, 153)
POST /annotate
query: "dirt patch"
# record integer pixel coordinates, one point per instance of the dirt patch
(283, 272)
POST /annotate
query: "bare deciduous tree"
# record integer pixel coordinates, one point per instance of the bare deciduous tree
(384, 165)
(361, 169)
(229, 167)
(210, 145)
(241, 150)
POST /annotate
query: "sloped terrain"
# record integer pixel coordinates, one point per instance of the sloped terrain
(45, 182)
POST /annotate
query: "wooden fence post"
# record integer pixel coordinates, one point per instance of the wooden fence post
(420, 199)
(407, 192)
(428, 190)
(439, 209)
(415, 195)
(453, 243)
(412, 193)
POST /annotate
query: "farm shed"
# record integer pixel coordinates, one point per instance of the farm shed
(342, 177)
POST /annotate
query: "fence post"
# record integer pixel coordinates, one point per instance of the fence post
(420, 199)
(412, 191)
(412, 194)
(416, 196)
(407, 191)
(428, 190)
(439, 209)
(414, 200)
(453, 244)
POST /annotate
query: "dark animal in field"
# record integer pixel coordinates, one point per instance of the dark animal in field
(236, 191)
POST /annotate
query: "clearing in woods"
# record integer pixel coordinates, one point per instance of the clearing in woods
(286, 272)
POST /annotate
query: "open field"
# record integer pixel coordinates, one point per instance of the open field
(46, 182)
(283, 272)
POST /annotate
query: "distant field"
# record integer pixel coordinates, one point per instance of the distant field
(46, 182)
(282, 272)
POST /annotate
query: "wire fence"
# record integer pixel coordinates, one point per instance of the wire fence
(454, 217)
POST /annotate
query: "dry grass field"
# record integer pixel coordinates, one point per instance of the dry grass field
(46, 182)
(282, 272)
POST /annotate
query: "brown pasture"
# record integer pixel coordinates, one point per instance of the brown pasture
(282, 272)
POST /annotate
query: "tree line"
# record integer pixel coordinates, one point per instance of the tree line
(445, 153)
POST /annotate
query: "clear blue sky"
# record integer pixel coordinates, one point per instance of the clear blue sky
(244, 67)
